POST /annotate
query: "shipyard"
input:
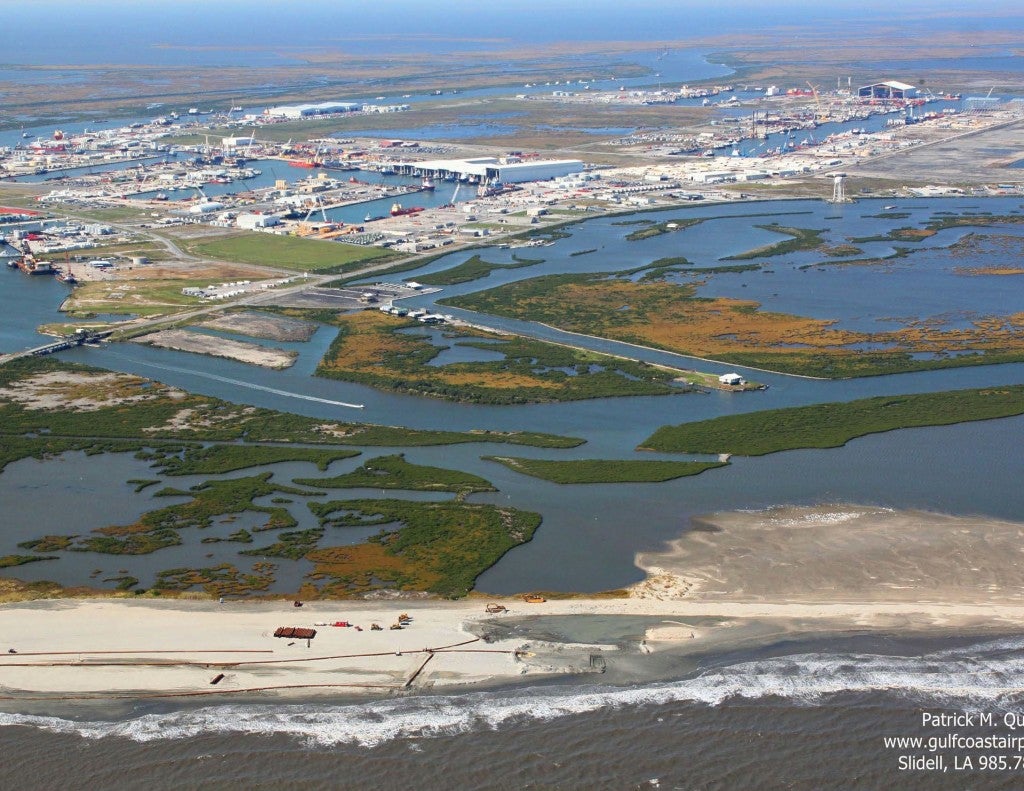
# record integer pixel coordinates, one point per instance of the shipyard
(395, 194)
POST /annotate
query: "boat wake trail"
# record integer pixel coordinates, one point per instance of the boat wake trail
(240, 383)
(987, 674)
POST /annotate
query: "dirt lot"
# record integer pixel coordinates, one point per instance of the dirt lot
(975, 158)
(185, 341)
(264, 325)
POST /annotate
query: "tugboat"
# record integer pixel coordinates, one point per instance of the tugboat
(427, 184)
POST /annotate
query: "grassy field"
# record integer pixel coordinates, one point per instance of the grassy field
(834, 424)
(440, 547)
(394, 472)
(604, 470)
(151, 250)
(137, 297)
(372, 349)
(287, 252)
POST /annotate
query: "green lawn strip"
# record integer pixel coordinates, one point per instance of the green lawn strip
(394, 472)
(802, 239)
(287, 252)
(156, 422)
(216, 459)
(832, 425)
(469, 270)
(440, 548)
(604, 470)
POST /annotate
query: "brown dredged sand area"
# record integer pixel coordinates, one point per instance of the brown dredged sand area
(200, 343)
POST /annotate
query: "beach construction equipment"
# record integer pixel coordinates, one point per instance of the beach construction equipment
(495, 608)
(295, 632)
(534, 598)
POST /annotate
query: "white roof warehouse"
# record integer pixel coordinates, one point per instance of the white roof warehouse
(492, 169)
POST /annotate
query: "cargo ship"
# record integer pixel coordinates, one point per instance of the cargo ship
(305, 163)
(398, 211)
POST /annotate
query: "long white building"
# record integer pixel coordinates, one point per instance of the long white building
(491, 169)
(308, 110)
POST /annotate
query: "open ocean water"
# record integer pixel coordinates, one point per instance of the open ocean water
(817, 717)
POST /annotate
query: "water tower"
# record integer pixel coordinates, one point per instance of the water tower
(839, 188)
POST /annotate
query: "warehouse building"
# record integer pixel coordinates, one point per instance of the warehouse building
(491, 170)
(888, 90)
(312, 110)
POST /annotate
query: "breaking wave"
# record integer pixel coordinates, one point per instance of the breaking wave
(988, 673)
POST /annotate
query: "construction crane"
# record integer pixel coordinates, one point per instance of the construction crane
(252, 139)
(317, 204)
(817, 101)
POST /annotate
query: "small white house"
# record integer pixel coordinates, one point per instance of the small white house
(732, 379)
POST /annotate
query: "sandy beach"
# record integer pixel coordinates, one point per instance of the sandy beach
(695, 597)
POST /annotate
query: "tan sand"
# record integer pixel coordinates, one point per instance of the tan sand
(200, 343)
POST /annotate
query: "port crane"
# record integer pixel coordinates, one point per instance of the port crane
(817, 102)
(317, 204)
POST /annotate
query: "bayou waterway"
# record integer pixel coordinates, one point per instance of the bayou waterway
(966, 469)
